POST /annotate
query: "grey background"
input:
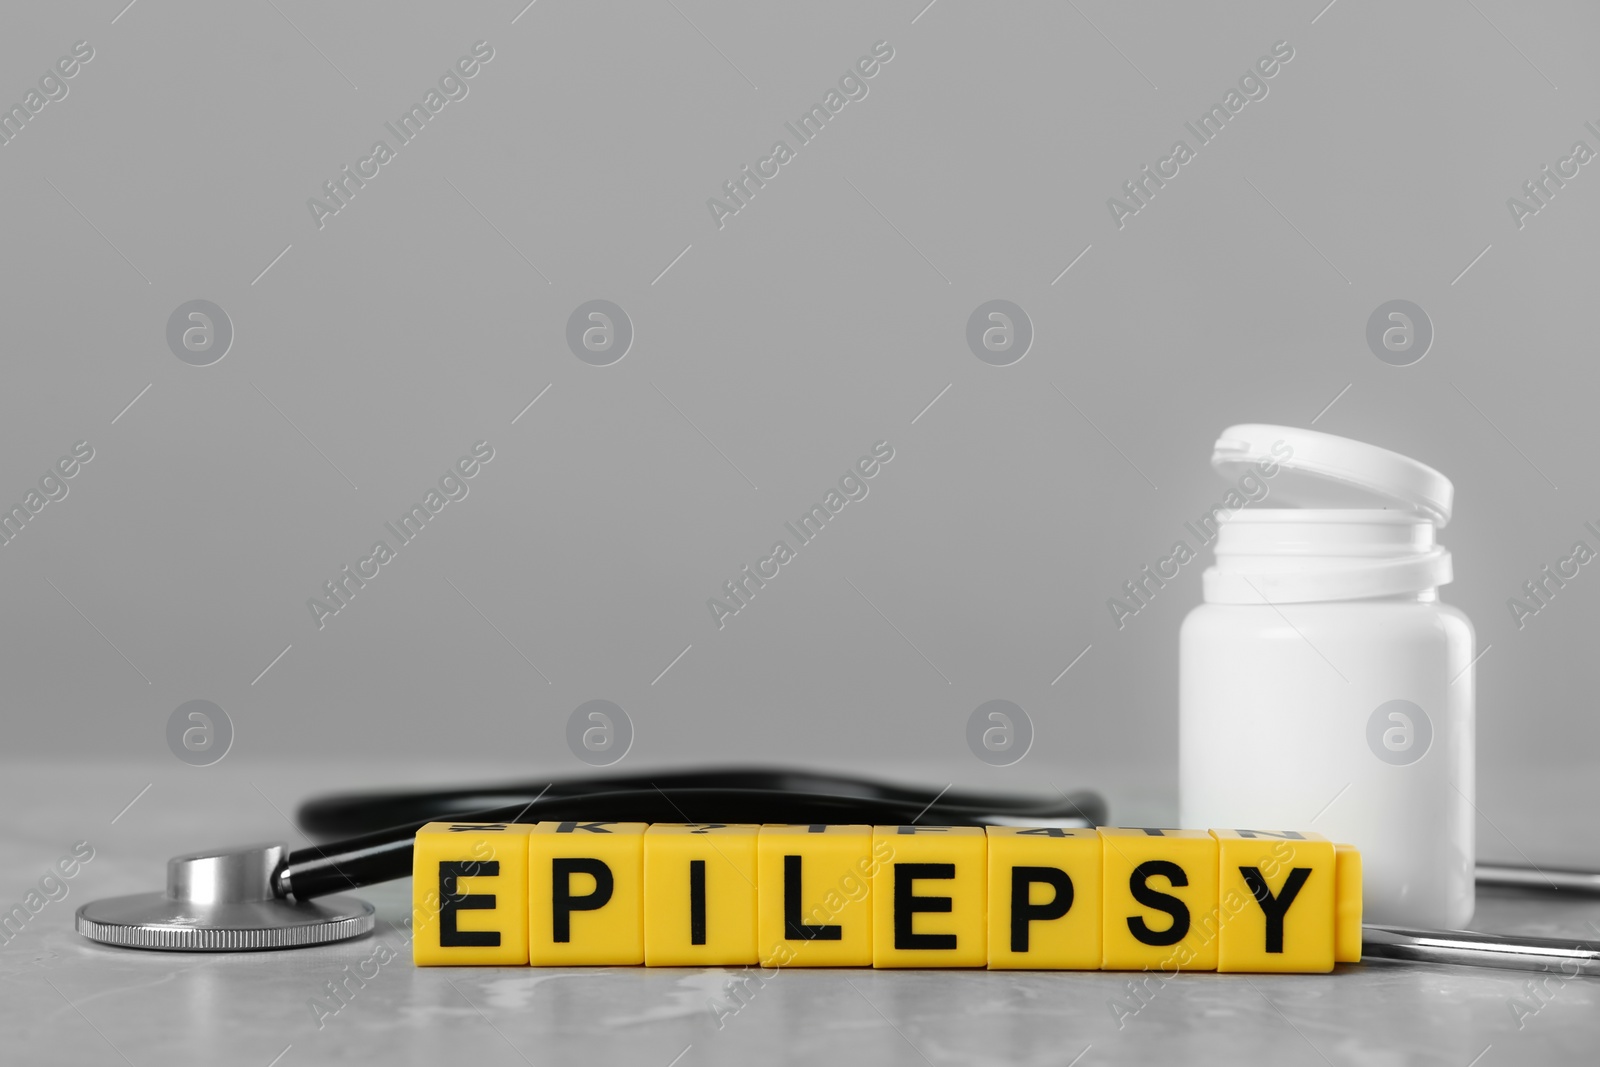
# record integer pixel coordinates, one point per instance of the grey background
(830, 314)
(824, 317)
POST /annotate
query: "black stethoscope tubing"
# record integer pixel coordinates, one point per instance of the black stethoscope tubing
(384, 825)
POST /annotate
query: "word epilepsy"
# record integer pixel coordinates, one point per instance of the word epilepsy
(1046, 897)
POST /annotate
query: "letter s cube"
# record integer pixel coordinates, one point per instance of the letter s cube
(1160, 904)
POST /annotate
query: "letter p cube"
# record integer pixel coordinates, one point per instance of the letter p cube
(586, 893)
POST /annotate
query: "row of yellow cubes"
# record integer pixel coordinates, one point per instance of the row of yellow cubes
(610, 893)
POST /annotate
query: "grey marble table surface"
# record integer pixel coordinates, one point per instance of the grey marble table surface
(65, 1000)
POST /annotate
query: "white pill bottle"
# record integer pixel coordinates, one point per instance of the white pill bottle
(1322, 685)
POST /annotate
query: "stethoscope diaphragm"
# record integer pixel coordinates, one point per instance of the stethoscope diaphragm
(223, 900)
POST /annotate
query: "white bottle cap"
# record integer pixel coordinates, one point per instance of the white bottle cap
(1319, 470)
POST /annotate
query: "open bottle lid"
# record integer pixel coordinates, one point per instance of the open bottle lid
(1319, 470)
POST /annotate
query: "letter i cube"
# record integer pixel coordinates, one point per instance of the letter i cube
(929, 896)
(586, 893)
(700, 894)
(814, 896)
(469, 892)
(1044, 898)
(1160, 904)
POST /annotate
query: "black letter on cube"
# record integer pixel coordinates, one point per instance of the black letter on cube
(907, 904)
(1159, 901)
(1275, 907)
(697, 900)
(563, 903)
(452, 901)
(1022, 912)
(793, 928)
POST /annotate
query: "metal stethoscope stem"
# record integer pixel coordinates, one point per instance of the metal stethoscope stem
(1511, 876)
(1466, 948)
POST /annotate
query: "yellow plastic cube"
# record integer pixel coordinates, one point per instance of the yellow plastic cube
(700, 894)
(1347, 904)
(1277, 891)
(1160, 903)
(814, 896)
(469, 894)
(1044, 898)
(930, 896)
(586, 893)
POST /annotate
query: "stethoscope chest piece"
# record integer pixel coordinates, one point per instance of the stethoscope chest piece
(223, 901)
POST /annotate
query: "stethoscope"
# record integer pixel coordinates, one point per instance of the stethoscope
(267, 897)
